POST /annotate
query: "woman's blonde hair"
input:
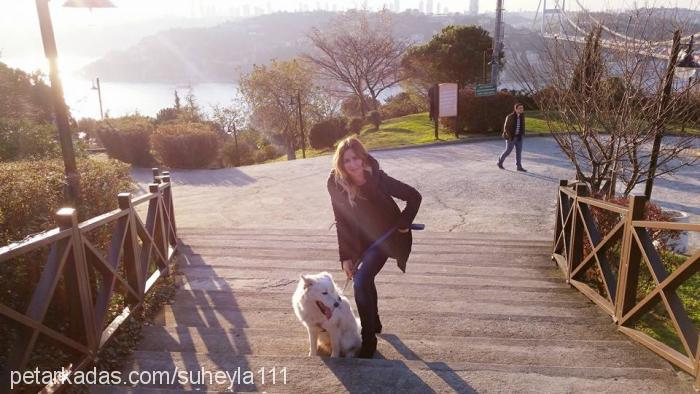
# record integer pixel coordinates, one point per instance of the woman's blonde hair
(342, 178)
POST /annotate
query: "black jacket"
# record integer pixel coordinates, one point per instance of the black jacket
(374, 213)
(509, 126)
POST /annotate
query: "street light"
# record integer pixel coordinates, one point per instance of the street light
(96, 86)
(59, 104)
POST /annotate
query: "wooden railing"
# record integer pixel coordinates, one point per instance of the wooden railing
(607, 268)
(139, 253)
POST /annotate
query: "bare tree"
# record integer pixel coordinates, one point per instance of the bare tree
(359, 53)
(603, 99)
(231, 120)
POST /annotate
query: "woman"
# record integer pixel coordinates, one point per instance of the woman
(361, 195)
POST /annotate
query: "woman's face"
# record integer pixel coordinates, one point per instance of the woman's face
(352, 163)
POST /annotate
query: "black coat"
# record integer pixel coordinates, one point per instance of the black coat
(375, 212)
(509, 126)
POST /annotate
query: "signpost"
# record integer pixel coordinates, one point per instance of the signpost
(443, 102)
(486, 89)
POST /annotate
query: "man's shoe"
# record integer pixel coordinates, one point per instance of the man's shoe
(369, 346)
(500, 166)
(522, 169)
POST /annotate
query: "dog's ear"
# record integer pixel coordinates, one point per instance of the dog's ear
(307, 281)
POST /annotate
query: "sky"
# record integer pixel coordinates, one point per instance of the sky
(19, 32)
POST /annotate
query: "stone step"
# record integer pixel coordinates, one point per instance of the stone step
(272, 232)
(330, 258)
(224, 266)
(425, 347)
(276, 301)
(390, 275)
(331, 254)
(287, 283)
(551, 323)
(258, 299)
(324, 375)
(420, 245)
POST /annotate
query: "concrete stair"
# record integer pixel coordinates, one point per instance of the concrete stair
(474, 313)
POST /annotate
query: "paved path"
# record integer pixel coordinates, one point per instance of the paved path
(482, 313)
(481, 309)
(462, 189)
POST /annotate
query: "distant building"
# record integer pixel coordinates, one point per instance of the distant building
(429, 7)
(473, 7)
(397, 5)
(420, 6)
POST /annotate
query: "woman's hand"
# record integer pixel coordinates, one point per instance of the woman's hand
(403, 230)
(349, 268)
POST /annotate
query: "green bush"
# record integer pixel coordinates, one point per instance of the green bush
(32, 191)
(403, 104)
(21, 139)
(30, 194)
(355, 125)
(326, 132)
(265, 153)
(231, 158)
(480, 114)
(185, 145)
(127, 139)
(375, 118)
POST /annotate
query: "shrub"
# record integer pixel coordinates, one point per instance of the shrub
(355, 125)
(185, 145)
(481, 114)
(127, 139)
(403, 104)
(21, 139)
(351, 105)
(326, 132)
(32, 191)
(30, 194)
(265, 153)
(375, 118)
(245, 155)
(167, 115)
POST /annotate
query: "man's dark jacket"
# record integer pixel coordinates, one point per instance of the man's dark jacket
(509, 126)
(375, 212)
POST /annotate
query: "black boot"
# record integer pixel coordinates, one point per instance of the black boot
(369, 346)
(378, 326)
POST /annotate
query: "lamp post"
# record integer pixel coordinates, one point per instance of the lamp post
(72, 192)
(301, 124)
(96, 86)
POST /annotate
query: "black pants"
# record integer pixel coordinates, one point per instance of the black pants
(366, 291)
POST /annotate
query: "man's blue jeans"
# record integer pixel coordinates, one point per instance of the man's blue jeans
(366, 291)
(518, 144)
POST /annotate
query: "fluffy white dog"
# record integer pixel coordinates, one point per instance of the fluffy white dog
(326, 313)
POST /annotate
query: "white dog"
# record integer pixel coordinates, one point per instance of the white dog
(326, 313)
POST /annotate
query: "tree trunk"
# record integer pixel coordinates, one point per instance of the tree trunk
(291, 150)
(235, 140)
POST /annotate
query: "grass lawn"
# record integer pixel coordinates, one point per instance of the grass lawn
(416, 129)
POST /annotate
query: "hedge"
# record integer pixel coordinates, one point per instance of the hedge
(127, 139)
(185, 145)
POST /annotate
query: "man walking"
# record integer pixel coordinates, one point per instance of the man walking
(513, 131)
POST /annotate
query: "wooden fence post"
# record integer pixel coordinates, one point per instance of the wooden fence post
(77, 281)
(630, 259)
(156, 174)
(559, 216)
(576, 243)
(134, 276)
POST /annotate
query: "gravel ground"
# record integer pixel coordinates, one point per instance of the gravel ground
(462, 190)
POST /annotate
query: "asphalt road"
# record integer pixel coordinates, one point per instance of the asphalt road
(462, 190)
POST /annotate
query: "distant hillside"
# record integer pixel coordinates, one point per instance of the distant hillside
(220, 53)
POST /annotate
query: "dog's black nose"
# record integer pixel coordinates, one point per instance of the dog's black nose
(335, 305)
